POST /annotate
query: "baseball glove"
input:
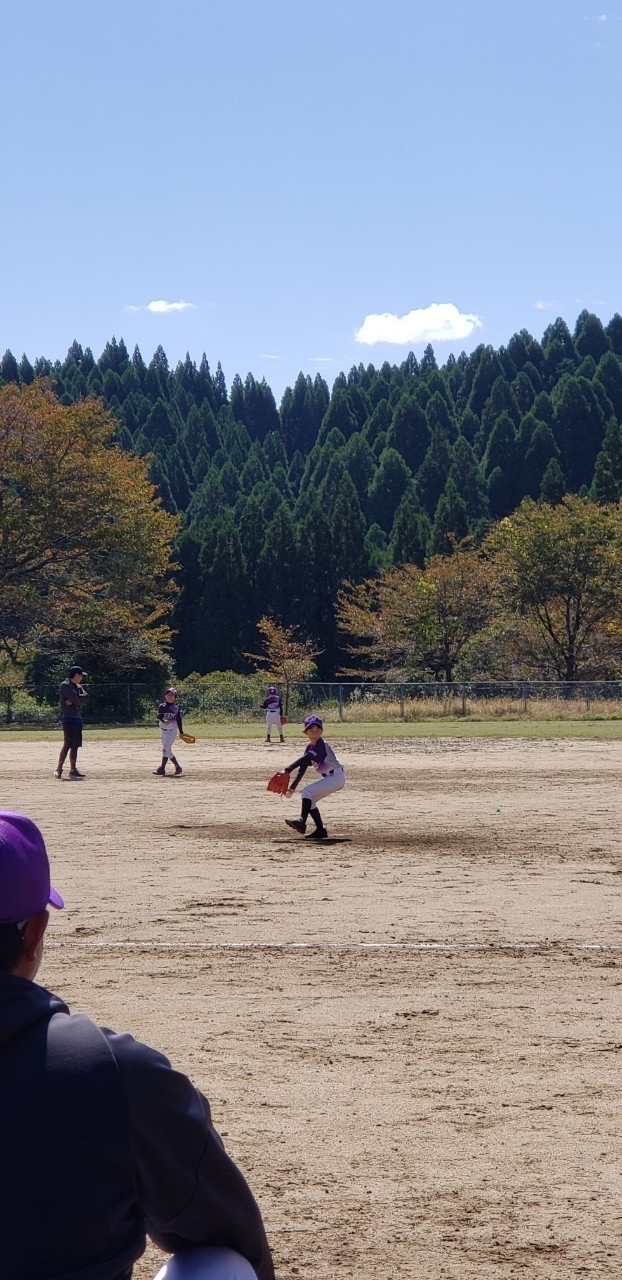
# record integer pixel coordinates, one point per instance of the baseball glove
(187, 737)
(284, 720)
(279, 783)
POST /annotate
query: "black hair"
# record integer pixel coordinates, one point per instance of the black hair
(10, 946)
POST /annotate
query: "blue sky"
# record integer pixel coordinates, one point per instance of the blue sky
(288, 173)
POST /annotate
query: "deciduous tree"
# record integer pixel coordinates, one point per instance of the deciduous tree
(85, 545)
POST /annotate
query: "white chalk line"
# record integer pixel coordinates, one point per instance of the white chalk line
(181, 945)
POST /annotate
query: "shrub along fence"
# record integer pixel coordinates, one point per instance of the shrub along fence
(238, 698)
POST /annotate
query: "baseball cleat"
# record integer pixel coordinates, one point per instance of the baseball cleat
(74, 773)
(320, 833)
(296, 824)
(58, 773)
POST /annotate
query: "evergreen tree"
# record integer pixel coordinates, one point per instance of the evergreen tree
(409, 432)
(607, 482)
(219, 394)
(279, 567)
(387, 488)
(225, 593)
(230, 483)
(339, 416)
(501, 447)
(489, 368)
(590, 338)
(378, 423)
(451, 522)
(9, 371)
(469, 425)
(26, 371)
(614, 334)
(254, 471)
(360, 464)
(609, 375)
(439, 417)
(579, 429)
(295, 470)
(433, 472)
(317, 585)
(299, 416)
(177, 478)
(540, 451)
(466, 475)
(377, 549)
(523, 392)
(348, 534)
(553, 484)
(411, 531)
(159, 426)
(252, 528)
(188, 617)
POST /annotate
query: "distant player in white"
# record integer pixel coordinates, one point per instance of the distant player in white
(322, 758)
(169, 716)
(273, 707)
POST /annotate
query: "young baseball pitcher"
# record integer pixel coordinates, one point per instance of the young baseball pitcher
(169, 716)
(320, 756)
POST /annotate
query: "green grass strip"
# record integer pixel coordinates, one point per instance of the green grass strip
(450, 728)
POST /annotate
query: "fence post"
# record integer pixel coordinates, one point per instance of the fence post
(464, 701)
(341, 702)
(524, 701)
(401, 702)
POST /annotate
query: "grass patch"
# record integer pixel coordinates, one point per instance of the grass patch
(451, 727)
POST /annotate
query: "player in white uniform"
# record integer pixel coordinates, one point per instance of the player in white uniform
(322, 758)
(273, 707)
(169, 716)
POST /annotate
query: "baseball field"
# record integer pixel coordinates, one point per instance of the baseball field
(410, 1034)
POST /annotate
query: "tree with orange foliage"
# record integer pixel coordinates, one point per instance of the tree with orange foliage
(417, 620)
(85, 545)
(286, 658)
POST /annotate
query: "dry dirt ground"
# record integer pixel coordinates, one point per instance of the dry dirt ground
(410, 1036)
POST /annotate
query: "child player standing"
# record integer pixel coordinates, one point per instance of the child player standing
(169, 716)
(273, 707)
(320, 756)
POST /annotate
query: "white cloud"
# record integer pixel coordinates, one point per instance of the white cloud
(266, 355)
(321, 359)
(160, 307)
(440, 322)
(545, 306)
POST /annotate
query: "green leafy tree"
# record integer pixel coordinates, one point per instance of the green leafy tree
(413, 620)
(560, 569)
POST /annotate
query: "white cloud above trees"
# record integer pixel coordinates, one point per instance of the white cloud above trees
(440, 322)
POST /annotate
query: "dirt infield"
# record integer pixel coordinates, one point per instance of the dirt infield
(410, 1036)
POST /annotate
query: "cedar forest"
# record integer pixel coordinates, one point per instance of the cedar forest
(279, 507)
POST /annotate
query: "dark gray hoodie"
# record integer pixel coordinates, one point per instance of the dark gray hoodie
(101, 1141)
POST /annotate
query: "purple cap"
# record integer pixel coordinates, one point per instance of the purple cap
(171, 691)
(311, 720)
(272, 688)
(25, 887)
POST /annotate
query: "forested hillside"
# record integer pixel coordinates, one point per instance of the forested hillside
(282, 505)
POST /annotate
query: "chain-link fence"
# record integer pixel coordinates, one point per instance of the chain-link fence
(238, 699)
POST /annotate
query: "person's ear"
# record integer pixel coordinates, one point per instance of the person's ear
(32, 935)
